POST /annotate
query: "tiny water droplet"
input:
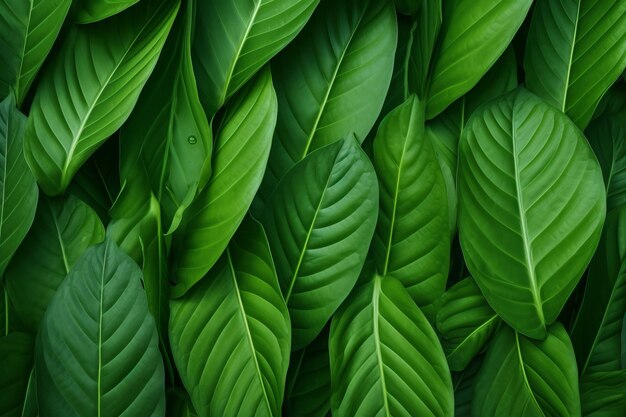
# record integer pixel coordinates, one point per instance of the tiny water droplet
(192, 140)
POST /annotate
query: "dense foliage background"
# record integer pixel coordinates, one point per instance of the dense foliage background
(313, 207)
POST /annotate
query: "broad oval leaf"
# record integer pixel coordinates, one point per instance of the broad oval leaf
(412, 240)
(332, 80)
(90, 11)
(576, 49)
(230, 334)
(531, 208)
(385, 358)
(526, 377)
(240, 156)
(465, 322)
(17, 186)
(91, 89)
(235, 39)
(62, 230)
(473, 35)
(16, 362)
(29, 29)
(167, 137)
(307, 392)
(97, 350)
(319, 222)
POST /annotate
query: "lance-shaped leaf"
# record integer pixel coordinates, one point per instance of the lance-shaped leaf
(61, 232)
(319, 223)
(427, 30)
(16, 362)
(91, 88)
(332, 79)
(29, 28)
(90, 11)
(18, 189)
(465, 322)
(576, 49)
(97, 350)
(167, 137)
(307, 392)
(230, 334)
(596, 334)
(473, 35)
(603, 394)
(385, 358)
(233, 40)
(412, 240)
(531, 207)
(526, 377)
(240, 157)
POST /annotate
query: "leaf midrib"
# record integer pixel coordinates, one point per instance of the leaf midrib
(99, 380)
(19, 71)
(379, 357)
(524, 376)
(60, 239)
(571, 58)
(472, 333)
(244, 318)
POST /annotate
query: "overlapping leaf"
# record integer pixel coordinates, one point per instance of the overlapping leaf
(531, 208)
(91, 88)
(230, 334)
(319, 222)
(97, 350)
(16, 362)
(90, 11)
(385, 358)
(240, 156)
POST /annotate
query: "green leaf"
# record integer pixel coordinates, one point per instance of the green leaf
(97, 350)
(428, 25)
(63, 229)
(17, 186)
(526, 377)
(575, 51)
(412, 240)
(235, 39)
(29, 29)
(91, 88)
(603, 394)
(307, 392)
(473, 35)
(319, 222)
(596, 334)
(240, 157)
(332, 80)
(464, 383)
(230, 334)
(167, 137)
(90, 11)
(16, 362)
(465, 322)
(531, 208)
(385, 358)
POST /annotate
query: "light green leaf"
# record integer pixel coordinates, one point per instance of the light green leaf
(91, 88)
(596, 334)
(240, 157)
(412, 240)
(16, 362)
(531, 208)
(167, 137)
(465, 322)
(235, 39)
(230, 334)
(332, 80)
(473, 35)
(90, 11)
(319, 222)
(63, 229)
(17, 186)
(29, 29)
(576, 49)
(97, 350)
(307, 392)
(526, 377)
(603, 394)
(385, 358)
